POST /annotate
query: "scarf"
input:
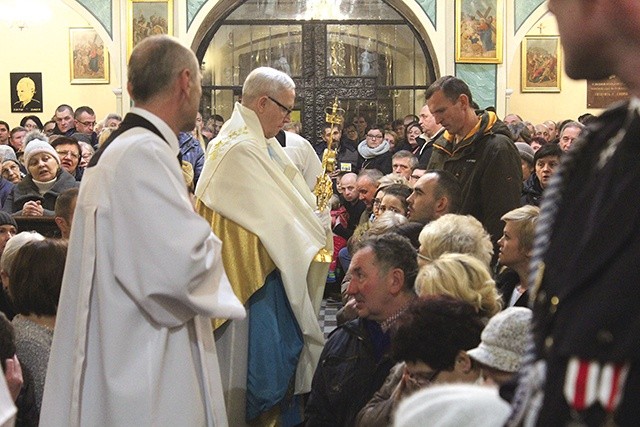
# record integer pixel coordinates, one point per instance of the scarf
(369, 153)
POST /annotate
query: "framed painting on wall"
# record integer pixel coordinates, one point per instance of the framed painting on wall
(26, 92)
(479, 28)
(147, 18)
(541, 64)
(88, 56)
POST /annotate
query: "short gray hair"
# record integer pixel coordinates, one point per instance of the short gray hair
(265, 81)
(155, 63)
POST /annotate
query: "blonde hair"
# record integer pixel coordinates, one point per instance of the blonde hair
(391, 179)
(452, 233)
(524, 220)
(463, 277)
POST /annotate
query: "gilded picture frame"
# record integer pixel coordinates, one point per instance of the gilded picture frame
(541, 66)
(88, 57)
(479, 31)
(146, 18)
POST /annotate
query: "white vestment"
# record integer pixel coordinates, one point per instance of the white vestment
(304, 157)
(133, 343)
(249, 180)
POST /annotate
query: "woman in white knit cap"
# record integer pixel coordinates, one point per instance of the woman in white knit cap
(36, 194)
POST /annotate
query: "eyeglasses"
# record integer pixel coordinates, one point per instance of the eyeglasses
(87, 123)
(374, 136)
(68, 153)
(426, 258)
(424, 378)
(286, 110)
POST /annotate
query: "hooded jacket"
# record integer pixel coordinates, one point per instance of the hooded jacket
(487, 164)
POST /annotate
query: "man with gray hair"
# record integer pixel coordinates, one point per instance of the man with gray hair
(273, 246)
(136, 303)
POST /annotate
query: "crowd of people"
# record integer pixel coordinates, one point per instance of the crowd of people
(481, 278)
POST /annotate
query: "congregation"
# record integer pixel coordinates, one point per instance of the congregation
(405, 203)
(407, 178)
(481, 278)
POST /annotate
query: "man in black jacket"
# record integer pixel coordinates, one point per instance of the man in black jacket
(585, 369)
(355, 360)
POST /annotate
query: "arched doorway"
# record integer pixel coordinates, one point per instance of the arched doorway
(364, 52)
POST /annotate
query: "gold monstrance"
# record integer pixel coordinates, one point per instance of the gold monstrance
(324, 188)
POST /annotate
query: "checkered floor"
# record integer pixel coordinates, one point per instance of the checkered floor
(327, 315)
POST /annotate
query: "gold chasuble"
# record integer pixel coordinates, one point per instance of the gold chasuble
(262, 209)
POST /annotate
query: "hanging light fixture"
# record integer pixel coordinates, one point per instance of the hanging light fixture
(322, 10)
(22, 14)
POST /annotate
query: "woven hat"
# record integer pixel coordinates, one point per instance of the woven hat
(453, 405)
(7, 153)
(526, 152)
(503, 340)
(6, 219)
(36, 146)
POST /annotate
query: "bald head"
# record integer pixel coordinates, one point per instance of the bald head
(155, 64)
(349, 188)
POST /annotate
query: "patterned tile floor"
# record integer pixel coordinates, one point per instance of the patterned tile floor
(327, 315)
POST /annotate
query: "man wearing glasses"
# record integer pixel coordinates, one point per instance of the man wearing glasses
(262, 209)
(85, 121)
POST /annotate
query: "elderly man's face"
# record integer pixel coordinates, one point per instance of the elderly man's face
(16, 139)
(366, 191)
(569, 134)
(369, 285)
(276, 111)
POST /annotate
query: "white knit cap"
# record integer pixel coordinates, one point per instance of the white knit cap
(36, 146)
(503, 340)
(15, 243)
(453, 405)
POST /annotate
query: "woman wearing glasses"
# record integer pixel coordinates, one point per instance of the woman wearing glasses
(374, 151)
(432, 340)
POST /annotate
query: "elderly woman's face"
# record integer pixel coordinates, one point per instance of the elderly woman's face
(43, 167)
(11, 172)
(412, 133)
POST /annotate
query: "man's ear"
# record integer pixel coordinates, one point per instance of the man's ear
(61, 223)
(397, 281)
(185, 81)
(441, 204)
(463, 362)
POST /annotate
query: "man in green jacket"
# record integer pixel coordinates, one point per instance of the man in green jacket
(477, 149)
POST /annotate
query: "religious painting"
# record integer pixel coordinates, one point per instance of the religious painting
(479, 27)
(148, 18)
(26, 92)
(89, 59)
(541, 68)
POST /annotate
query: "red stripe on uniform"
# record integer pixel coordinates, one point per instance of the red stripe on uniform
(613, 394)
(581, 386)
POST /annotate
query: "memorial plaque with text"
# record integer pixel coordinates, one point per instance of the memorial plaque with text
(602, 93)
